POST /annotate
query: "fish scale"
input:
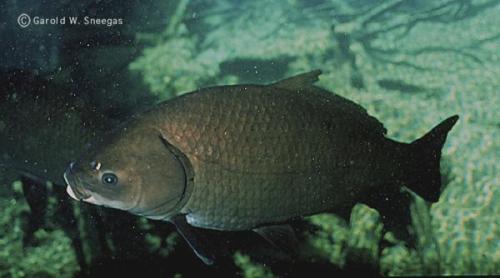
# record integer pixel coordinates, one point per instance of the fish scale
(283, 154)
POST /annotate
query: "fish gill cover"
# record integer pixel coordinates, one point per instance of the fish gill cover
(408, 63)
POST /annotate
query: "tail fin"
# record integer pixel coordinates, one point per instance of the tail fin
(424, 176)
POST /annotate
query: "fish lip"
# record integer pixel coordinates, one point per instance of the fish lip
(73, 189)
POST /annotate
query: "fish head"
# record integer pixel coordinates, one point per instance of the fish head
(133, 169)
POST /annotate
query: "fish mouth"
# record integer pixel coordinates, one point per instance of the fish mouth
(73, 189)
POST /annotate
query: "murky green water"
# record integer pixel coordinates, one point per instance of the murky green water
(70, 71)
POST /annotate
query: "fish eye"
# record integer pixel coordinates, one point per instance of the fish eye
(109, 179)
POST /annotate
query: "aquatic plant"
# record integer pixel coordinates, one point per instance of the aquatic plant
(330, 241)
(173, 67)
(173, 64)
(250, 269)
(338, 241)
(52, 256)
(158, 244)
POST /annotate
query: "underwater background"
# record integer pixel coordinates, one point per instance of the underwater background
(411, 64)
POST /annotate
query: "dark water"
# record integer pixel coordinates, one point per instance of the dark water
(71, 70)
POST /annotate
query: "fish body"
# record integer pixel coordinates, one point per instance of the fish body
(247, 156)
(264, 154)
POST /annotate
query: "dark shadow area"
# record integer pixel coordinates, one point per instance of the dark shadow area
(400, 86)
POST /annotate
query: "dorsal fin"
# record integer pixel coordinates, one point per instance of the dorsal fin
(300, 81)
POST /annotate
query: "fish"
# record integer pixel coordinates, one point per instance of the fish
(252, 157)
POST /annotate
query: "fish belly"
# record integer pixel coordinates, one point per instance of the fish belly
(238, 200)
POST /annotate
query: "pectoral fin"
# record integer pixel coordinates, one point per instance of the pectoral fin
(280, 236)
(196, 240)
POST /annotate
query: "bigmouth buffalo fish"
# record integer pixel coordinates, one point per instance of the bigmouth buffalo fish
(249, 157)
